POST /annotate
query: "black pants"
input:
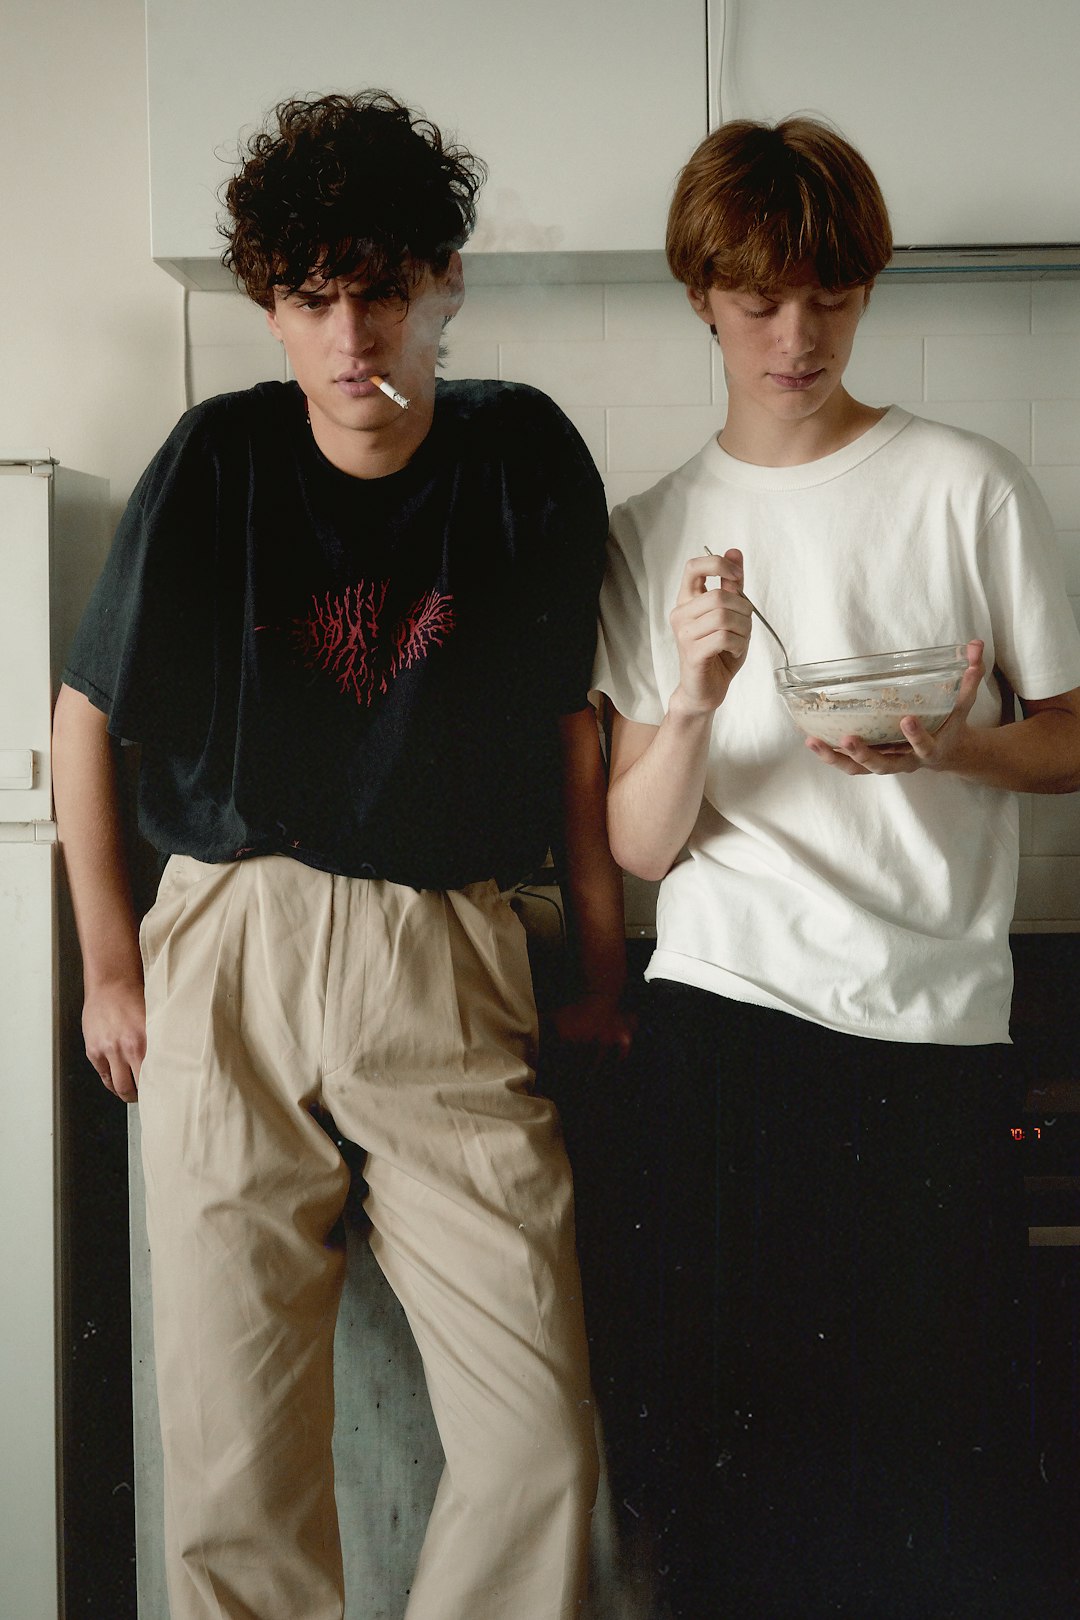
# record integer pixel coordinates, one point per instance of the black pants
(804, 1259)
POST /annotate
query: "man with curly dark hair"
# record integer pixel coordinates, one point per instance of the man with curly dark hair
(350, 620)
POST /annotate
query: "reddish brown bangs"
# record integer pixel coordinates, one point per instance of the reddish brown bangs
(756, 205)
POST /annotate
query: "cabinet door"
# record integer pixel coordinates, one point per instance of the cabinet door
(583, 112)
(967, 111)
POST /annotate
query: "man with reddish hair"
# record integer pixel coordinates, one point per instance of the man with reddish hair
(810, 1339)
(350, 620)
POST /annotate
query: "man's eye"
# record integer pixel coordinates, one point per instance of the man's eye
(759, 314)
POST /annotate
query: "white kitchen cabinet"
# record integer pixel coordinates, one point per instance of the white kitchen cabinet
(966, 110)
(583, 112)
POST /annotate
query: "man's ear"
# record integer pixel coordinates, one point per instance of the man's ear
(271, 321)
(699, 303)
(454, 286)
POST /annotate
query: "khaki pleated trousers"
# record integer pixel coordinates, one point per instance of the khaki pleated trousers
(274, 990)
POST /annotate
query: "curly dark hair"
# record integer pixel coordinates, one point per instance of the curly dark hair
(341, 184)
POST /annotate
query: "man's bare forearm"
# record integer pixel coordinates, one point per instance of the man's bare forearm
(658, 779)
(91, 839)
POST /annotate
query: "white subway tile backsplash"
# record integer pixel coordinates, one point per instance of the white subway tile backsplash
(1006, 421)
(621, 485)
(1061, 490)
(530, 313)
(884, 369)
(1024, 804)
(591, 423)
(918, 311)
(1055, 306)
(1069, 541)
(658, 435)
(220, 369)
(1056, 432)
(1049, 889)
(468, 357)
(618, 372)
(650, 310)
(1055, 824)
(1039, 366)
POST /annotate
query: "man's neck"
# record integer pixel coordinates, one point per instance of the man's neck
(374, 452)
(755, 436)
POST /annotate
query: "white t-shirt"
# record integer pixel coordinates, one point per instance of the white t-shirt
(879, 906)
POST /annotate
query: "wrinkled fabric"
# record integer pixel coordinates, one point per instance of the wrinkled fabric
(274, 992)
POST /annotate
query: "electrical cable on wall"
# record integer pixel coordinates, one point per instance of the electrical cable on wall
(528, 893)
(720, 13)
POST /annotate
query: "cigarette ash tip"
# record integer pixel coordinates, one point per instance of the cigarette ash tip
(390, 392)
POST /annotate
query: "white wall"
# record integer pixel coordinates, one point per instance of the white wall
(91, 363)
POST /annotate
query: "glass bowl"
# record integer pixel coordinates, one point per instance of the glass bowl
(868, 697)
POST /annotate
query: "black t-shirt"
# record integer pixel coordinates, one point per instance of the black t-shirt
(364, 674)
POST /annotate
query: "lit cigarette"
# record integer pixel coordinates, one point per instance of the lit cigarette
(390, 392)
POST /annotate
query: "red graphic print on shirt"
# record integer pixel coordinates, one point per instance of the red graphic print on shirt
(346, 635)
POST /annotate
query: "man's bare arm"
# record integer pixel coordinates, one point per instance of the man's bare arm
(594, 892)
(91, 838)
(658, 772)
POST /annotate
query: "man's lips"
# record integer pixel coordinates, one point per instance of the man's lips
(355, 384)
(795, 383)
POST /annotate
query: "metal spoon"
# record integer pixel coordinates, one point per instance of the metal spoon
(758, 615)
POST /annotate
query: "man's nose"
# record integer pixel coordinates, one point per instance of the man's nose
(353, 326)
(795, 330)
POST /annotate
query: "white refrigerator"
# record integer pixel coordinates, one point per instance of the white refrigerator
(54, 527)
